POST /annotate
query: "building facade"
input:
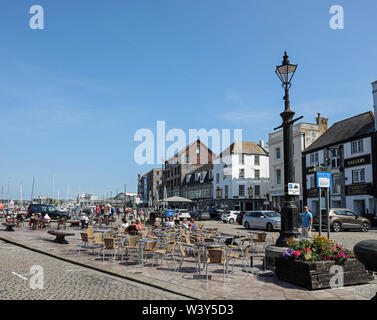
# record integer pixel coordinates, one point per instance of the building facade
(304, 134)
(241, 176)
(348, 151)
(198, 186)
(185, 161)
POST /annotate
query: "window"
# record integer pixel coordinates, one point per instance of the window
(226, 191)
(241, 174)
(198, 149)
(187, 159)
(188, 178)
(158, 173)
(277, 153)
(357, 146)
(334, 152)
(256, 160)
(336, 183)
(257, 174)
(358, 176)
(201, 176)
(241, 158)
(217, 177)
(335, 163)
(257, 190)
(314, 157)
(241, 190)
(210, 174)
(312, 182)
(278, 176)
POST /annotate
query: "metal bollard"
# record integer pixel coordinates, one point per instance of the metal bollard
(251, 261)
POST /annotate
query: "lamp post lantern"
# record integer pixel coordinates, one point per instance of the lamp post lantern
(289, 212)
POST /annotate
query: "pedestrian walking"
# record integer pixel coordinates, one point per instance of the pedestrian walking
(306, 222)
(98, 210)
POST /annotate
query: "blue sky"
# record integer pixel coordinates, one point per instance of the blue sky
(73, 95)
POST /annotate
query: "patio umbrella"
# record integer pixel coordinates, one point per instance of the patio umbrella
(176, 199)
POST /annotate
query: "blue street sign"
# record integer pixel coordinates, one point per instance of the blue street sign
(324, 179)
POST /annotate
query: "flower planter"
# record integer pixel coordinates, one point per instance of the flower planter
(316, 275)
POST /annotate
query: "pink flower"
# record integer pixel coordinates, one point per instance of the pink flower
(307, 249)
(296, 253)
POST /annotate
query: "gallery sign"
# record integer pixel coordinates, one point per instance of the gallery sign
(357, 161)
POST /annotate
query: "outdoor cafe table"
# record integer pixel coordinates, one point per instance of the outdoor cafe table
(142, 244)
(60, 235)
(204, 246)
(9, 226)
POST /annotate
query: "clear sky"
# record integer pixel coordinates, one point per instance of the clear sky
(73, 95)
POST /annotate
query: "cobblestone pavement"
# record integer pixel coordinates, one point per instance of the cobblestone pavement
(65, 281)
(239, 285)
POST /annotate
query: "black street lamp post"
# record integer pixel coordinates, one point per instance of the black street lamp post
(289, 212)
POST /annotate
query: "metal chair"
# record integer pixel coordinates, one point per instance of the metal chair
(109, 244)
(216, 256)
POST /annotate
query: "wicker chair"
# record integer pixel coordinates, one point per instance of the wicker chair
(216, 256)
(188, 253)
(166, 252)
(132, 244)
(85, 241)
(98, 243)
(260, 240)
(243, 256)
(109, 244)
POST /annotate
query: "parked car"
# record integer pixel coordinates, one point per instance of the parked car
(341, 219)
(47, 208)
(229, 216)
(200, 215)
(267, 220)
(215, 213)
(182, 214)
(240, 217)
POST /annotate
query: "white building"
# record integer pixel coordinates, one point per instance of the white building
(348, 150)
(240, 177)
(304, 134)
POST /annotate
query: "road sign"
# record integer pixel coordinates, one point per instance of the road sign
(324, 180)
(293, 189)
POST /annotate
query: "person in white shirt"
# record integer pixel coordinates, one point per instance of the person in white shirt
(47, 218)
(170, 223)
(185, 225)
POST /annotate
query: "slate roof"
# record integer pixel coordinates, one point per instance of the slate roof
(192, 181)
(345, 130)
(245, 147)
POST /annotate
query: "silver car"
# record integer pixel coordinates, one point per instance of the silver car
(267, 220)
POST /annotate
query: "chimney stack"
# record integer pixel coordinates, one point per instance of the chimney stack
(322, 122)
(374, 91)
(261, 143)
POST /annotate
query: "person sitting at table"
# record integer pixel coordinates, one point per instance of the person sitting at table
(132, 227)
(84, 221)
(157, 222)
(47, 218)
(139, 225)
(125, 224)
(169, 223)
(176, 221)
(193, 226)
(19, 219)
(40, 221)
(185, 225)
